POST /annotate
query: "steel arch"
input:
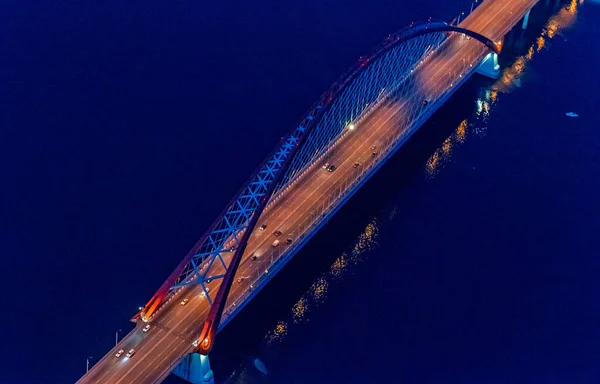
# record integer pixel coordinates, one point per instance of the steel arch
(324, 121)
(358, 96)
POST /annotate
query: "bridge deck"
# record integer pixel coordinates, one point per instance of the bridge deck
(175, 326)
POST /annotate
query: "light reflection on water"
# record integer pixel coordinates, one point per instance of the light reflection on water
(510, 79)
(317, 292)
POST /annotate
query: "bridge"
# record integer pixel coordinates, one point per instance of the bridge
(337, 146)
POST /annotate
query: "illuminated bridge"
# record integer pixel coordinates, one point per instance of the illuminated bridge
(337, 146)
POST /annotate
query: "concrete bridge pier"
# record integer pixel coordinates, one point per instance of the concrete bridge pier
(195, 369)
(489, 67)
(526, 19)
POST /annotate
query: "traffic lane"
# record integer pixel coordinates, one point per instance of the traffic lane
(142, 348)
(137, 341)
(142, 353)
(183, 319)
(482, 12)
(111, 364)
(104, 364)
(457, 44)
(490, 11)
(170, 354)
(172, 350)
(517, 12)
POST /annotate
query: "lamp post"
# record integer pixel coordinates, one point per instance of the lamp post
(117, 336)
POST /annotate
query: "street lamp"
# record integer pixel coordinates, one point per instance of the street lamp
(117, 336)
(87, 364)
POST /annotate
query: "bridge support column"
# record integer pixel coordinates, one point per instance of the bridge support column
(526, 19)
(195, 368)
(489, 67)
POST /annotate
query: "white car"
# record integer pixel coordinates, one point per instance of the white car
(202, 294)
(118, 354)
(146, 328)
(130, 353)
(184, 301)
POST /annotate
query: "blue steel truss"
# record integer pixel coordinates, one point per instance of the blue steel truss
(372, 80)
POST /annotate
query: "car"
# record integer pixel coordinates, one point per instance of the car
(263, 227)
(254, 257)
(373, 154)
(288, 241)
(325, 165)
(373, 147)
(203, 294)
(275, 243)
(331, 168)
(277, 233)
(146, 328)
(130, 353)
(118, 354)
(425, 102)
(356, 164)
(241, 279)
(184, 301)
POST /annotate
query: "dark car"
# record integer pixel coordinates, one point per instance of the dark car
(277, 233)
(288, 241)
(356, 164)
(263, 227)
(331, 168)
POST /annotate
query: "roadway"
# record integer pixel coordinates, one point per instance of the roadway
(174, 327)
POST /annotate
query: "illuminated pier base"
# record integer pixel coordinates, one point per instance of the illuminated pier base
(526, 19)
(489, 66)
(260, 366)
(195, 369)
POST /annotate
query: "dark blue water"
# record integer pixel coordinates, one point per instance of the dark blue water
(127, 126)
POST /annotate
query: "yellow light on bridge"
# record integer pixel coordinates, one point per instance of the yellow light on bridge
(351, 127)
